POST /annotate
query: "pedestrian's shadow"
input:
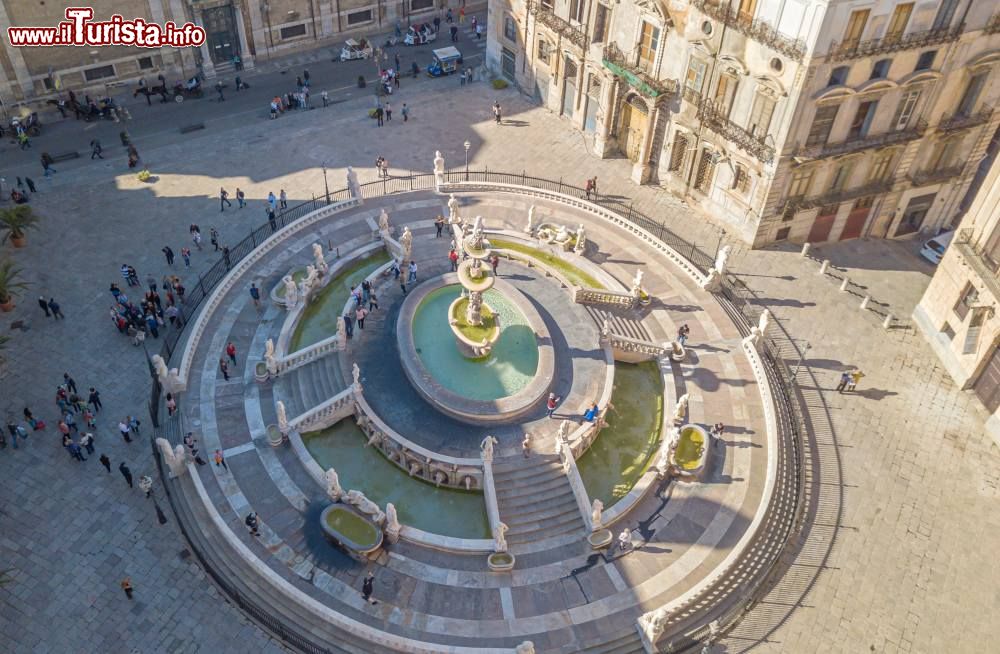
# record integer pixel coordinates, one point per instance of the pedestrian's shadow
(515, 123)
(876, 394)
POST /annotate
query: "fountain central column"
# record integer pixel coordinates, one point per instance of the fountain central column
(475, 278)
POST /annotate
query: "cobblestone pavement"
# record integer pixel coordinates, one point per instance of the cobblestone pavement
(919, 477)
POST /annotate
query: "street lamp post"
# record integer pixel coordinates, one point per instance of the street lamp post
(326, 186)
(467, 146)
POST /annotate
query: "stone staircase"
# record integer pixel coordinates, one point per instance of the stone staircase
(626, 642)
(312, 384)
(622, 322)
(535, 499)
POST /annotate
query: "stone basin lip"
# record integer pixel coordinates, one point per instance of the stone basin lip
(468, 410)
(698, 472)
(345, 541)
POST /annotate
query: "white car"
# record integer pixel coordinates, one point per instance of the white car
(934, 248)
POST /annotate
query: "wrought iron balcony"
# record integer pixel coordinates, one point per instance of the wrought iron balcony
(622, 66)
(713, 118)
(758, 30)
(993, 26)
(956, 121)
(893, 43)
(979, 262)
(802, 203)
(823, 150)
(546, 16)
(925, 177)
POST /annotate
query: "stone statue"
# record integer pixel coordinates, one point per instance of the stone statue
(581, 240)
(383, 222)
(161, 367)
(170, 380)
(356, 373)
(406, 241)
(637, 283)
(174, 459)
(358, 500)
(597, 508)
(319, 259)
(333, 489)
(438, 168)
(477, 232)
(291, 292)
(279, 408)
(755, 338)
(606, 329)
(764, 321)
(486, 448)
(352, 183)
(722, 258)
(654, 624)
(270, 361)
(674, 440)
(308, 283)
(453, 209)
(341, 334)
(392, 526)
(663, 460)
(563, 433)
(681, 408)
(530, 228)
(499, 541)
(562, 237)
(527, 647)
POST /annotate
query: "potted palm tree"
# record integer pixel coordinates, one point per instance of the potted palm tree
(9, 284)
(15, 222)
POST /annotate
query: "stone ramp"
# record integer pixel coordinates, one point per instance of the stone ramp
(535, 498)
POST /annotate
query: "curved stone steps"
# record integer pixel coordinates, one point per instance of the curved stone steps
(312, 384)
(529, 492)
(622, 321)
(535, 498)
(627, 642)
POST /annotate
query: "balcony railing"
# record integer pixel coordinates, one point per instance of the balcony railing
(993, 26)
(893, 43)
(884, 139)
(712, 117)
(978, 261)
(802, 203)
(618, 63)
(956, 122)
(758, 30)
(925, 177)
(547, 17)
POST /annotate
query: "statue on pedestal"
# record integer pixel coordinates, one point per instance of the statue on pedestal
(653, 624)
(764, 322)
(406, 241)
(596, 510)
(438, 168)
(270, 361)
(563, 430)
(581, 240)
(333, 489)
(383, 222)
(392, 526)
(291, 292)
(279, 408)
(527, 647)
(170, 380)
(681, 408)
(499, 541)
(174, 459)
(319, 259)
(352, 183)
(358, 500)
(356, 373)
(453, 210)
(341, 334)
(486, 448)
(530, 227)
(308, 283)
(637, 283)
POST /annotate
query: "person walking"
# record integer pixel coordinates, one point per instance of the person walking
(495, 263)
(359, 316)
(54, 308)
(220, 460)
(497, 112)
(225, 256)
(589, 187)
(461, 15)
(405, 110)
(283, 198)
(31, 184)
(94, 399)
(186, 256)
(479, 30)
(106, 462)
(224, 367)
(171, 404)
(218, 89)
(87, 441)
(126, 473)
(134, 423)
(252, 523)
(682, 334)
(224, 199)
(845, 379)
(231, 352)
(439, 226)
(74, 451)
(169, 254)
(368, 587)
(372, 301)
(552, 403)
(272, 201)
(95, 149)
(255, 295)
(125, 430)
(127, 581)
(379, 113)
(69, 382)
(348, 326)
(44, 305)
(47, 162)
(526, 445)
(453, 258)
(241, 198)
(213, 235)
(412, 272)
(624, 540)
(856, 376)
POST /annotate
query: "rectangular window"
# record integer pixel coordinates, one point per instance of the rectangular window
(761, 114)
(948, 332)
(971, 95)
(855, 27)
(725, 91)
(696, 75)
(904, 110)
(862, 120)
(841, 176)
(975, 329)
(881, 69)
(945, 13)
(49, 83)
(417, 5)
(838, 76)
(880, 168)
(358, 17)
(293, 31)
(966, 301)
(648, 45)
(678, 153)
(747, 9)
(801, 181)
(601, 24)
(508, 63)
(548, 4)
(101, 72)
(782, 234)
(576, 10)
(145, 63)
(741, 179)
(706, 168)
(509, 28)
(944, 155)
(926, 60)
(822, 123)
(898, 22)
(544, 51)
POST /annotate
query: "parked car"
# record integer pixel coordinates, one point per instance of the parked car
(355, 50)
(934, 248)
(420, 33)
(445, 61)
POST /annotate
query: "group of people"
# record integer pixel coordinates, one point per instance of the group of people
(297, 99)
(152, 312)
(364, 296)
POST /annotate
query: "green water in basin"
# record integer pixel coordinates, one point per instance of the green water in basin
(626, 447)
(319, 319)
(443, 511)
(508, 369)
(689, 449)
(571, 272)
(349, 525)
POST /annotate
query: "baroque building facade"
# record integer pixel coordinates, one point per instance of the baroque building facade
(251, 29)
(958, 313)
(801, 120)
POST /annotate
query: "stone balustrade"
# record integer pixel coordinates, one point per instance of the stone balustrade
(568, 458)
(581, 438)
(432, 467)
(326, 414)
(596, 296)
(634, 350)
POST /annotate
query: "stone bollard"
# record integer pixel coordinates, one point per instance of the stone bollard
(865, 301)
(845, 283)
(805, 249)
(823, 266)
(887, 323)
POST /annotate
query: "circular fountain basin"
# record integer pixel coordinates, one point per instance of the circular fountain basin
(482, 283)
(351, 531)
(501, 387)
(473, 339)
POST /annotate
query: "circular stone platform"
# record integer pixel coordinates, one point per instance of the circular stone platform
(466, 407)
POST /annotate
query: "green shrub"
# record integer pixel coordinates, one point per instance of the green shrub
(499, 84)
